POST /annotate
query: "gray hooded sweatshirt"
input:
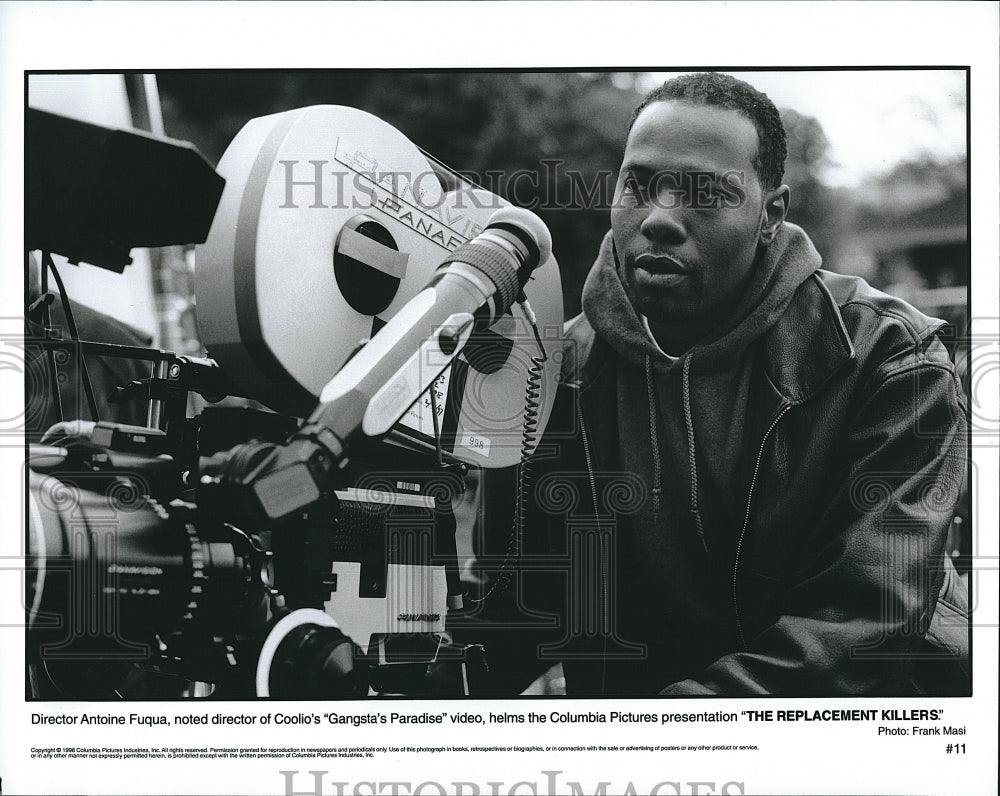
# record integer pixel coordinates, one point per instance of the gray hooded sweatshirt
(680, 428)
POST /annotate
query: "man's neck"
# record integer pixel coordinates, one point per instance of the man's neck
(676, 340)
(667, 352)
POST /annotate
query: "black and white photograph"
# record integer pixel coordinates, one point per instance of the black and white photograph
(735, 472)
(501, 428)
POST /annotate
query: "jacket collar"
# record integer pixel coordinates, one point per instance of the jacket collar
(808, 344)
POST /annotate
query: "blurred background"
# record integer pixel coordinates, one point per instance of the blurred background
(876, 159)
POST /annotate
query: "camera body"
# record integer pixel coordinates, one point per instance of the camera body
(138, 562)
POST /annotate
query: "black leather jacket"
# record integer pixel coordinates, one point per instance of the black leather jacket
(856, 443)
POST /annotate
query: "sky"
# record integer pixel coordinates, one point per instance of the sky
(874, 119)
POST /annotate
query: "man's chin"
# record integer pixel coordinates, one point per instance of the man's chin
(664, 305)
(662, 312)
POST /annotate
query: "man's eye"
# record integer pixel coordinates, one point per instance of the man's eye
(706, 197)
(636, 188)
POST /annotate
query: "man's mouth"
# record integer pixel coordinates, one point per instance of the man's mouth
(659, 264)
(659, 270)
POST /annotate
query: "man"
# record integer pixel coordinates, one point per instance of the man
(752, 463)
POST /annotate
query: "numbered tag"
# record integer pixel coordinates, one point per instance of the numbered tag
(476, 443)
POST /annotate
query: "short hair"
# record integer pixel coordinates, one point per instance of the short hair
(729, 93)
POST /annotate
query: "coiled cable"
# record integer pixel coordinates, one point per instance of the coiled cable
(529, 436)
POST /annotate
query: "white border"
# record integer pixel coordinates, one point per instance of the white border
(801, 758)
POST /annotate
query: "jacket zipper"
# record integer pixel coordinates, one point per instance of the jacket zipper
(603, 553)
(746, 519)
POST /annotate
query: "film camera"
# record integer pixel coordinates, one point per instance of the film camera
(398, 324)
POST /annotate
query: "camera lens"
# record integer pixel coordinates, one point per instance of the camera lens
(116, 575)
(306, 656)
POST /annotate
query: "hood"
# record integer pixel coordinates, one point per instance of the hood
(714, 373)
(785, 264)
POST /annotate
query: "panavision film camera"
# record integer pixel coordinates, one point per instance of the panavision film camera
(395, 328)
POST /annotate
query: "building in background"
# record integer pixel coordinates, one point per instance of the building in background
(924, 258)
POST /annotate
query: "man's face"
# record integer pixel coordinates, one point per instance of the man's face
(688, 212)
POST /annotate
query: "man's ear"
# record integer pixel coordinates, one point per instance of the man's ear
(772, 216)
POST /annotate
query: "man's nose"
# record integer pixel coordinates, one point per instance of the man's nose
(664, 219)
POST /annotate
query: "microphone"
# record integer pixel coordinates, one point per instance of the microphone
(476, 285)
